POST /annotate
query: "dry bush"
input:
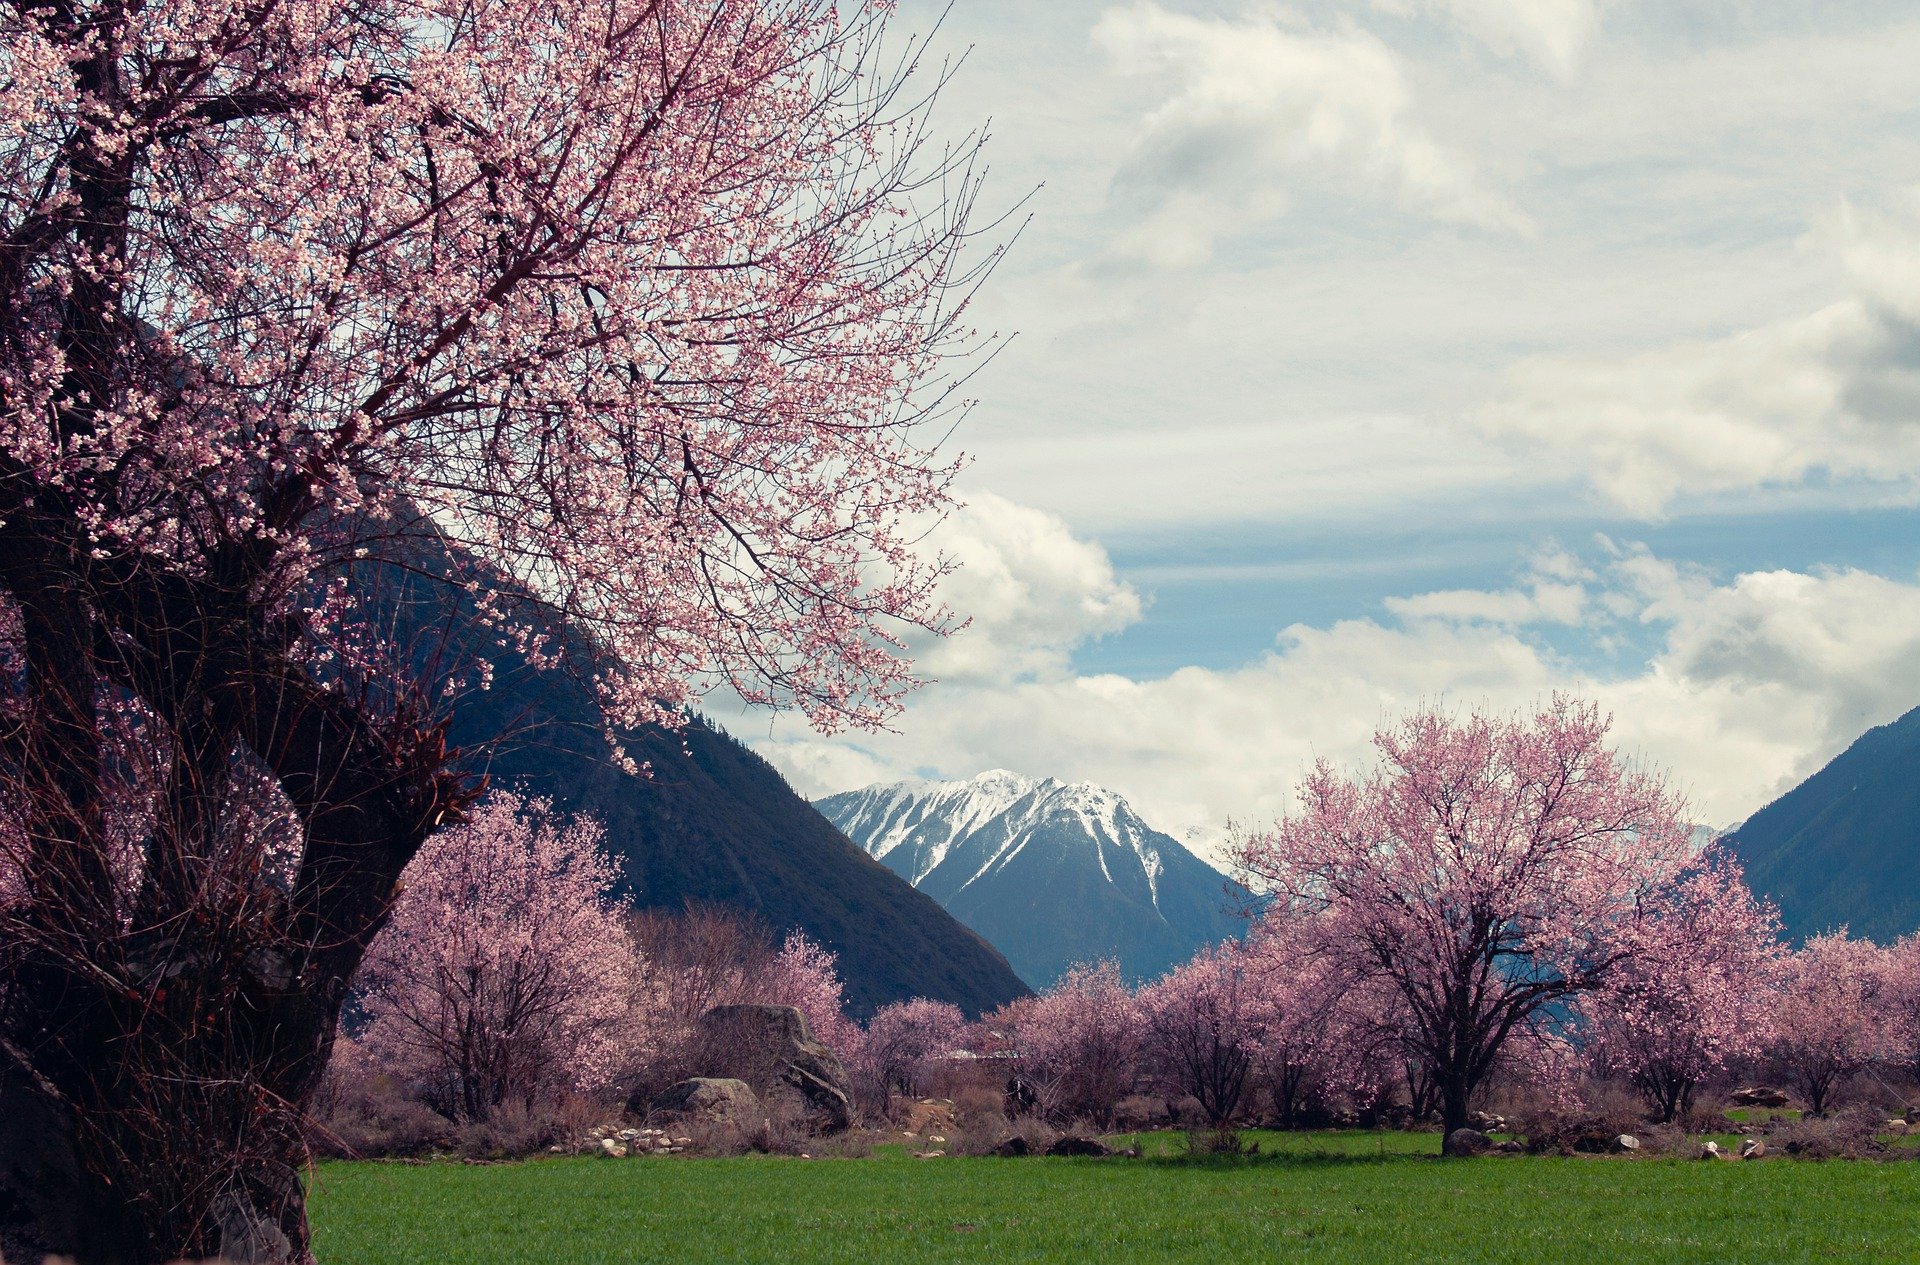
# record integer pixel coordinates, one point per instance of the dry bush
(1035, 1131)
(1138, 1112)
(1670, 1140)
(514, 1130)
(1843, 1135)
(1211, 1141)
(373, 1117)
(1186, 1113)
(775, 1133)
(978, 1106)
(1705, 1118)
(1605, 1112)
(854, 1144)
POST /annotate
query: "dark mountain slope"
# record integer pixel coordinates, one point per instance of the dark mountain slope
(1843, 847)
(710, 821)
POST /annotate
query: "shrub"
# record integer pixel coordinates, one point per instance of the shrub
(1603, 1112)
(1844, 1135)
(375, 1118)
(1217, 1140)
(979, 1106)
(1036, 1132)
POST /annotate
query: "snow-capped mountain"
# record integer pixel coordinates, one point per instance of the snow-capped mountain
(1050, 872)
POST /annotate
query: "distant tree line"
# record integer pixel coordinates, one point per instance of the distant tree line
(1503, 908)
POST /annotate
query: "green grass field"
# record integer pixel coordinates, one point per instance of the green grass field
(1360, 1197)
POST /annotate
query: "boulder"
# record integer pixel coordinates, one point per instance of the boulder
(773, 1051)
(1466, 1142)
(1753, 1149)
(1509, 1147)
(1761, 1096)
(1898, 1128)
(1486, 1122)
(1079, 1146)
(1012, 1147)
(1712, 1151)
(1626, 1142)
(1913, 1115)
(711, 1100)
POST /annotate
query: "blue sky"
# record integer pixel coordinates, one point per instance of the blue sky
(1376, 352)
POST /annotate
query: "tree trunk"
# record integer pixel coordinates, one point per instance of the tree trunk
(155, 1073)
(1455, 1098)
(172, 1130)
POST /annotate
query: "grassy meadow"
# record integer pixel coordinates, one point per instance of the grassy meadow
(1346, 1197)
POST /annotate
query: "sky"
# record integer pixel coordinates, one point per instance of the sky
(1389, 352)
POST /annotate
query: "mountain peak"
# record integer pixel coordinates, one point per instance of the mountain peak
(1052, 872)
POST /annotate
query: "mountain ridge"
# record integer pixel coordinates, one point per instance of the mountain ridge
(1843, 847)
(1050, 872)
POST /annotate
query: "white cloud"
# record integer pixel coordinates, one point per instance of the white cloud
(1248, 106)
(1744, 688)
(1836, 392)
(1031, 589)
(1550, 32)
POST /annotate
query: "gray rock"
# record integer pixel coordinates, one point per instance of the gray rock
(711, 1100)
(773, 1051)
(1466, 1142)
(1014, 1146)
(1626, 1142)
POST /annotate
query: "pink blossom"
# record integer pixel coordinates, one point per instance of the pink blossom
(807, 977)
(1831, 1019)
(505, 971)
(1697, 996)
(1079, 1043)
(901, 1042)
(1488, 868)
(1203, 1028)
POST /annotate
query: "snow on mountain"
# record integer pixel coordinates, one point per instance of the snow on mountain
(1050, 872)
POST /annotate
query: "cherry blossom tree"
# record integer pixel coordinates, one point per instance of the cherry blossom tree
(899, 1043)
(620, 323)
(807, 977)
(1698, 997)
(1316, 1032)
(506, 971)
(1203, 1028)
(1490, 868)
(1901, 989)
(1830, 1021)
(1079, 1043)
